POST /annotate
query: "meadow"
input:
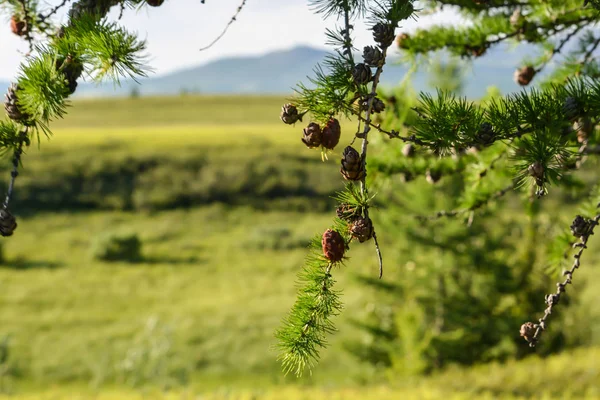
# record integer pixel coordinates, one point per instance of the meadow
(225, 199)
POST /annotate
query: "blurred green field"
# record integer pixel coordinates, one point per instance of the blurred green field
(225, 199)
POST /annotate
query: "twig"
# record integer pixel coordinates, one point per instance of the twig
(391, 134)
(43, 18)
(15, 171)
(365, 142)
(28, 24)
(588, 54)
(378, 250)
(348, 40)
(560, 46)
(474, 207)
(231, 21)
(553, 299)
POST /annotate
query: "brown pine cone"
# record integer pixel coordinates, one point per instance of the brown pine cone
(155, 3)
(361, 74)
(8, 223)
(362, 229)
(289, 114)
(333, 245)
(524, 76)
(352, 165)
(331, 134)
(18, 26)
(528, 331)
(12, 107)
(536, 170)
(312, 135)
(373, 56)
(486, 135)
(580, 226)
(383, 34)
(378, 105)
(347, 212)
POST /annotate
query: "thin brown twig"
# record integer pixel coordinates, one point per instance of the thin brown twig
(231, 21)
(588, 55)
(28, 24)
(560, 46)
(553, 299)
(42, 18)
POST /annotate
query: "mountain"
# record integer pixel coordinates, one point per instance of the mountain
(278, 72)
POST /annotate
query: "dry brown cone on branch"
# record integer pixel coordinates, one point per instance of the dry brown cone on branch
(353, 168)
(333, 245)
(536, 170)
(290, 115)
(8, 223)
(18, 26)
(347, 212)
(362, 74)
(13, 110)
(155, 3)
(331, 134)
(312, 135)
(362, 229)
(523, 76)
(383, 34)
(528, 331)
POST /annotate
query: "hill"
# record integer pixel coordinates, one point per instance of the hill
(277, 72)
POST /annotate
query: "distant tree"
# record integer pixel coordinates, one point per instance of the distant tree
(134, 93)
(526, 143)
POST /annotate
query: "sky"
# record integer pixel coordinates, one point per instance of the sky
(177, 30)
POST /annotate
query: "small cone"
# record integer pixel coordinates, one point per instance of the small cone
(312, 135)
(347, 212)
(352, 165)
(361, 74)
(524, 76)
(373, 56)
(536, 170)
(155, 3)
(18, 26)
(289, 114)
(528, 331)
(383, 34)
(8, 223)
(331, 134)
(333, 245)
(13, 109)
(362, 229)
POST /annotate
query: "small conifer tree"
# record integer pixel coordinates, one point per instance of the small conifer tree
(529, 142)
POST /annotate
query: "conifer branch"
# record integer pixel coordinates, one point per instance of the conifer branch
(582, 228)
(479, 204)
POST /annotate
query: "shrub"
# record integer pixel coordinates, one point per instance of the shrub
(118, 247)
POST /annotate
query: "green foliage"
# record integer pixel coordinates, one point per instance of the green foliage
(117, 246)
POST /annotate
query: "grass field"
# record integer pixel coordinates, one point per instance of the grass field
(194, 318)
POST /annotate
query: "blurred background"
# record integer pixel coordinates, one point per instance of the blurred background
(162, 227)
